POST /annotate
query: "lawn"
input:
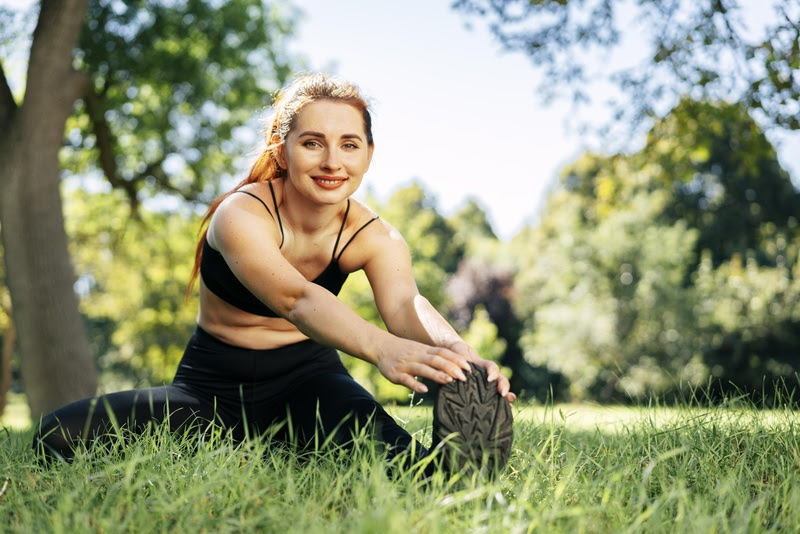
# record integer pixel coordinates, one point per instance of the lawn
(574, 468)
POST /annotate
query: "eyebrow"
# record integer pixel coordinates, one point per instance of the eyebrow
(322, 135)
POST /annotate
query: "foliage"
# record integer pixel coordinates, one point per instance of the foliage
(750, 320)
(430, 237)
(573, 469)
(173, 84)
(727, 179)
(709, 49)
(604, 303)
(132, 277)
(612, 287)
(482, 336)
(473, 231)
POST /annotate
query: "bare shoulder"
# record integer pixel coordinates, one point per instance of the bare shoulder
(376, 238)
(376, 230)
(249, 214)
(247, 198)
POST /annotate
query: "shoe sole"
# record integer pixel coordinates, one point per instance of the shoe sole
(473, 423)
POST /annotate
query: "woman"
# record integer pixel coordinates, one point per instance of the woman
(271, 260)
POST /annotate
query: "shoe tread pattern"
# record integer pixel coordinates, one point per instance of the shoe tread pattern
(475, 422)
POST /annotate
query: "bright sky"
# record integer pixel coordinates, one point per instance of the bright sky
(450, 109)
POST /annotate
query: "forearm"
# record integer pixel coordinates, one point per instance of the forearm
(324, 318)
(419, 320)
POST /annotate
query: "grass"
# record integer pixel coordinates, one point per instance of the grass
(582, 468)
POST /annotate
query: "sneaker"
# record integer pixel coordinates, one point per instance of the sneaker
(472, 423)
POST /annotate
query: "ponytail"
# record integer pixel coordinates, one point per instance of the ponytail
(264, 169)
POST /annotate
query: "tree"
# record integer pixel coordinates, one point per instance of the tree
(725, 177)
(132, 284)
(670, 265)
(708, 49)
(602, 299)
(56, 364)
(156, 90)
(435, 252)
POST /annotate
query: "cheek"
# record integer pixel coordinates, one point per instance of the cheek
(293, 158)
(359, 160)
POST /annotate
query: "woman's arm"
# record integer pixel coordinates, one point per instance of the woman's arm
(410, 315)
(250, 247)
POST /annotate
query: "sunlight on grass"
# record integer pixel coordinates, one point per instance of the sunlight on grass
(16, 416)
(574, 468)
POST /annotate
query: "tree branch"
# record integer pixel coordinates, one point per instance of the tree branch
(105, 146)
(8, 106)
(155, 171)
(80, 84)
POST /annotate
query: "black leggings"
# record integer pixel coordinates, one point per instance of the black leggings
(303, 386)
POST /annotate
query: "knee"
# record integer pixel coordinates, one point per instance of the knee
(51, 439)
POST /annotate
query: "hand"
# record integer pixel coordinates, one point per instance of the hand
(401, 360)
(492, 369)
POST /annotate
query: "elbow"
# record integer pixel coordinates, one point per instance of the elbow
(404, 312)
(297, 306)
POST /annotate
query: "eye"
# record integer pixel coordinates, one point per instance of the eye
(311, 144)
(350, 146)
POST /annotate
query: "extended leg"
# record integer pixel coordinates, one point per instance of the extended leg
(89, 419)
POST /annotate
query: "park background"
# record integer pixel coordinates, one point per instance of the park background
(599, 251)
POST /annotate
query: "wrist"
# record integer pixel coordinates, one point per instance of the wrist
(378, 346)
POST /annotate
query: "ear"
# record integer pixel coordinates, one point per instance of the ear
(280, 157)
(369, 158)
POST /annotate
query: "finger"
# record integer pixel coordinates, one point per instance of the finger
(414, 385)
(443, 364)
(511, 397)
(426, 371)
(503, 386)
(454, 357)
(492, 370)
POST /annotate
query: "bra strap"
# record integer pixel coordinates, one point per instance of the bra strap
(275, 203)
(255, 197)
(355, 234)
(341, 229)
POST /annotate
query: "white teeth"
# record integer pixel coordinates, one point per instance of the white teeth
(328, 182)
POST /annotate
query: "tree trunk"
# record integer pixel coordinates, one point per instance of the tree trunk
(55, 360)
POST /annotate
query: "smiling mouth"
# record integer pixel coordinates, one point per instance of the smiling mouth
(329, 181)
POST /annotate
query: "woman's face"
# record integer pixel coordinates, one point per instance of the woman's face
(326, 152)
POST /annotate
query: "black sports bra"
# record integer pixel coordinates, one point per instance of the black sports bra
(221, 281)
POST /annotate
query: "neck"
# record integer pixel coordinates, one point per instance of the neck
(306, 216)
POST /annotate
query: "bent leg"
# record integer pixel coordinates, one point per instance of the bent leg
(89, 419)
(334, 406)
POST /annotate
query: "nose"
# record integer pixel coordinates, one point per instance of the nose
(331, 160)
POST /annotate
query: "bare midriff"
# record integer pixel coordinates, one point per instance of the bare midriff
(242, 329)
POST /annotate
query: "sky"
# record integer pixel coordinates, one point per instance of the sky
(451, 109)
